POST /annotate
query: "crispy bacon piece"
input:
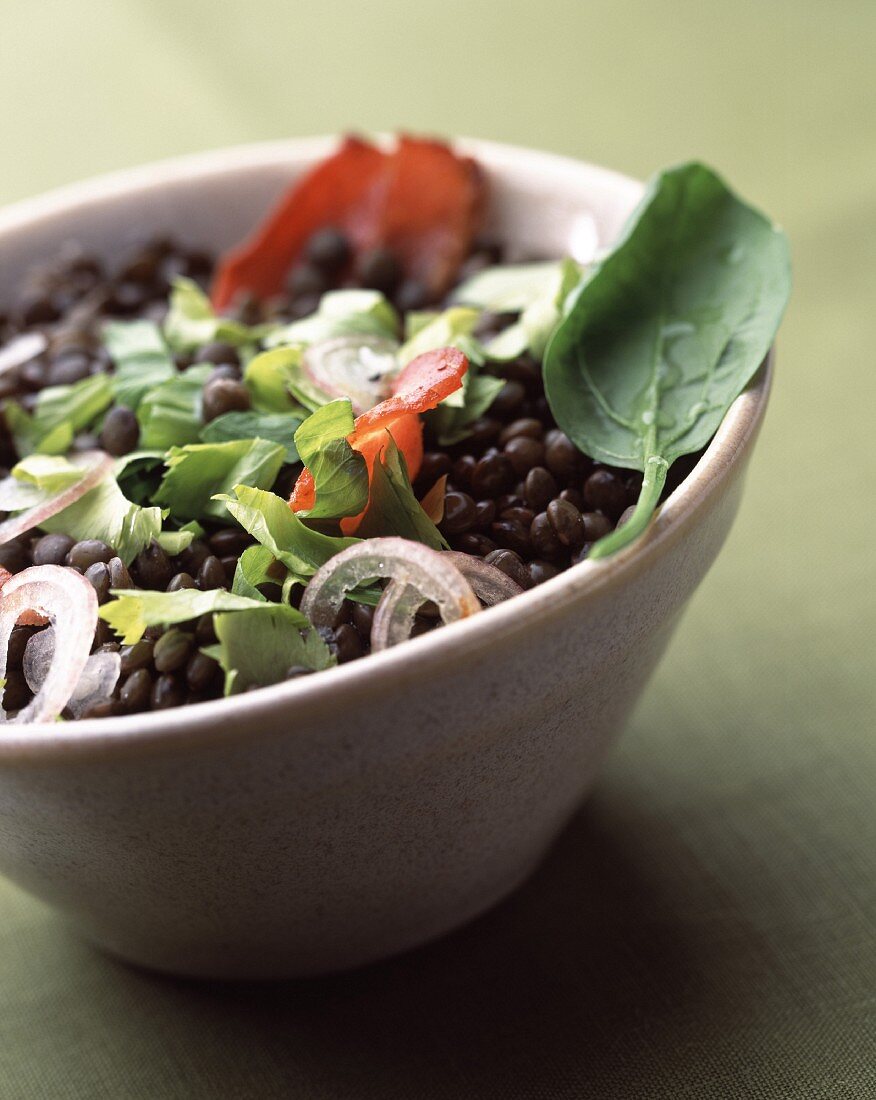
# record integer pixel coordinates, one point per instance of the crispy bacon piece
(420, 200)
(424, 382)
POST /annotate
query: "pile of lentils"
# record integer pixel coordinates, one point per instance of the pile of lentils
(519, 494)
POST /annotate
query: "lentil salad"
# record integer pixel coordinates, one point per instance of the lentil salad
(337, 404)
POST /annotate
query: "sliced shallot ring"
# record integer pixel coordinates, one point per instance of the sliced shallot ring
(359, 367)
(21, 350)
(69, 601)
(409, 563)
(488, 582)
(96, 466)
(95, 685)
(395, 614)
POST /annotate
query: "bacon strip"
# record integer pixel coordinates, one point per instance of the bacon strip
(420, 200)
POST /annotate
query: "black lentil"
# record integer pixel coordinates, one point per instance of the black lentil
(378, 269)
(98, 574)
(153, 567)
(460, 513)
(211, 574)
(118, 574)
(566, 521)
(511, 565)
(172, 650)
(136, 656)
(136, 691)
(605, 492)
(52, 549)
(180, 580)
(121, 432)
(167, 691)
(224, 395)
(328, 250)
(85, 553)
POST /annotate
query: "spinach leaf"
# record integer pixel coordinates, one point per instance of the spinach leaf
(667, 331)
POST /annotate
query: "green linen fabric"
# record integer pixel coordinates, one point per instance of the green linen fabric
(705, 928)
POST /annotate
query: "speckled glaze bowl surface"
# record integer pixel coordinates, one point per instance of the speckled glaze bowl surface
(327, 822)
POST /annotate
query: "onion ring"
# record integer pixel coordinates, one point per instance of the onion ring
(488, 582)
(355, 366)
(394, 617)
(99, 676)
(69, 601)
(21, 350)
(96, 466)
(411, 566)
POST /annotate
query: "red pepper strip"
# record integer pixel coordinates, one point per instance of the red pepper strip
(424, 382)
(26, 618)
(420, 200)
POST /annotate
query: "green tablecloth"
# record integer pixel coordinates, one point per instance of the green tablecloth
(706, 926)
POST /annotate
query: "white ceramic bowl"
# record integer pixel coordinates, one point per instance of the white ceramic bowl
(327, 822)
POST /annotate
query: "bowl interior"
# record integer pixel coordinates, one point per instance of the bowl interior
(542, 204)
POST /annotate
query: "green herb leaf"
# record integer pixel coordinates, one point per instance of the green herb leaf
(106, 513)
(198, 472)
(452, 328)
(452, 422)
(47, 474)
(60, 412)
(255, 566)
(340, 313)
(141, 359)
(339, 472)
(667, 331)
(103, 513)
(258, 646)
(271, 521)
(139, 474)
(276, 427)
(393, 508)
(540, 316)
(170, 414)
(268, 377)
(191, 322)
(134, 609)
(508, 288)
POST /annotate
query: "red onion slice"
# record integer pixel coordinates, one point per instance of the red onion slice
(21, 350)
(96, 465)
(395, 614)
(411, 566)
(95, 685)
(69, 601)
(489, 583)
(359, 367)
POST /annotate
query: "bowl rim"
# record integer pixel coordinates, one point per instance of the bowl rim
(220, 720)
